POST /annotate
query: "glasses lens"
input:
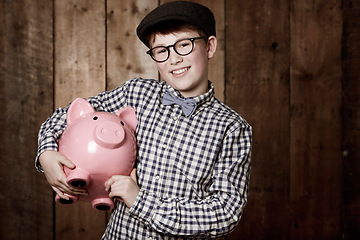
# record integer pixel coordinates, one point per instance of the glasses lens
(160, 53)
(184, 47)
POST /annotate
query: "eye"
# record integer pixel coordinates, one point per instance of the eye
(122, 123)
(184, 45)
(159, 50)
(95, 118)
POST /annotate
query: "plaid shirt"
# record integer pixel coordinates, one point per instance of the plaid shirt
(193, 171)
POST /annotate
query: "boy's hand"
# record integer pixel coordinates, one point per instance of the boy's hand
(124, 187)
(53, 164)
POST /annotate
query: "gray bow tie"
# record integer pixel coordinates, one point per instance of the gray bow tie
(188, 106)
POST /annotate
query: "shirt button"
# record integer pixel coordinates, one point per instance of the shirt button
(174, 116)
(157, 177)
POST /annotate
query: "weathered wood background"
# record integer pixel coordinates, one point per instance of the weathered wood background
(290, 67)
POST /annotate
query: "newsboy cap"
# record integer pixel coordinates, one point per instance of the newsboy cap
(188, 12)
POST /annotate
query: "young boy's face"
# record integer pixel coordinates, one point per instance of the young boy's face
(187, 74)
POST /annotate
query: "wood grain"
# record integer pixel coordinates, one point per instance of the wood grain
(257, 86)
(26, 94)
(79, 49)
(126, 54)
(315, 142)
(351, 120)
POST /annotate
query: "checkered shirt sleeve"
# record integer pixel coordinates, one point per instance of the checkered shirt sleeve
(50, 132)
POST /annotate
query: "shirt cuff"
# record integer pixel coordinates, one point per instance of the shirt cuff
(47, 143)
(144, 207)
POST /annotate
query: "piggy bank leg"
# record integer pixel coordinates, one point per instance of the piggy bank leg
(72, 199)
(102, 204)
(78, 178)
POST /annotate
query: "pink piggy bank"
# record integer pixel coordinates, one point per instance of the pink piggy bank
(100, 144)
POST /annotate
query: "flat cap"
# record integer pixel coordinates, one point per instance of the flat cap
(188, 12)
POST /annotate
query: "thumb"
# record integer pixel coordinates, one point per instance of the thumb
(133, 175)
(67, 163)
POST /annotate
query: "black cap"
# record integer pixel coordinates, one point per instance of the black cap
(188, 12)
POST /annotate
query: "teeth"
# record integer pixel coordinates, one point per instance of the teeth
(180, 70)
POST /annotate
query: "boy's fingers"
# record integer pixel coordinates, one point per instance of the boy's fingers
(66, 162)
(64, 187)
(109, 183)
(60, 193)
(112, 180)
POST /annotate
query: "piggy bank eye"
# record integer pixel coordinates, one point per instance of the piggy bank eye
(122, 123)
(95, 118)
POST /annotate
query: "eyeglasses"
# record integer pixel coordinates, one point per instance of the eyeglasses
(182, 47)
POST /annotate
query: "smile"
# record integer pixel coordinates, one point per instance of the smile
(180, 71)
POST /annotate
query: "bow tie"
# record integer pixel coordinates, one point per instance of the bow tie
(188, 106)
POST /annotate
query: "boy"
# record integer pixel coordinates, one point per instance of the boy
(193, 162)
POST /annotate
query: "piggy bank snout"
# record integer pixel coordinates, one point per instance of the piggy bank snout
(109, 134)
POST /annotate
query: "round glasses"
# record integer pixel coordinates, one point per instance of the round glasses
(182, 47)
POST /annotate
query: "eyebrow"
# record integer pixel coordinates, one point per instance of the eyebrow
(164, 45)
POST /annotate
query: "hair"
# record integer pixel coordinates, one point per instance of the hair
(172, 26)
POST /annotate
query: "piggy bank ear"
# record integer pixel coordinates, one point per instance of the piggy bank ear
(128, 115)
(78, 108)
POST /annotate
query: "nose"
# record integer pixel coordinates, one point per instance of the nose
(109, 134)
(174, 58)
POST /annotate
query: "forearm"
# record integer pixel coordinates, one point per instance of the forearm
(214, 216)
(49, 133)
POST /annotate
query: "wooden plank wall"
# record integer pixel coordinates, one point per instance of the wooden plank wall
(257, 86)
(315, 122)
(26, 99)
(351, 120)
(290, 67)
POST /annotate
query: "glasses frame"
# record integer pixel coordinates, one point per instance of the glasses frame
(173, 46)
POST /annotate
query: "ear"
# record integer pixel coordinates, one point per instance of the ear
(211, 46)
(78, 109)
(128, 115)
